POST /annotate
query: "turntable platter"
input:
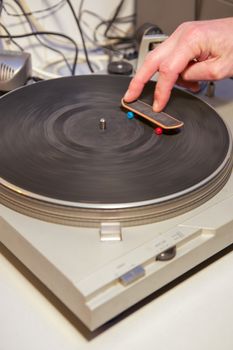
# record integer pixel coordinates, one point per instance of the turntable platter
(57, 163)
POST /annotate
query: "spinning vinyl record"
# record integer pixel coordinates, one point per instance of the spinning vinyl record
(70, 154)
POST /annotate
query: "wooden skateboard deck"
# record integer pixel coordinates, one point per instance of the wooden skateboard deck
(161, 119)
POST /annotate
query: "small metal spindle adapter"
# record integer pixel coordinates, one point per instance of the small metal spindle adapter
(210, 91)
(102, 124)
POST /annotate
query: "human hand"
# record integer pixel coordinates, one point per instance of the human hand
(201, 50)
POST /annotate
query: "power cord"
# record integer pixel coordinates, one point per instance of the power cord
(27, 17)
(15, 36)
(10, 37)
(81, 34)
(50, 8)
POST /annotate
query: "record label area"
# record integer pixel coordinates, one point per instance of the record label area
(59, 163)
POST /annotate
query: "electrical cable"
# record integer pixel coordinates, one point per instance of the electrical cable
(1, 6)
(38, 27)
(112, 24)
(108, 42)
(96, 42)
(122, 20)
(99, 62)
(80, 9)
(118, 9)
(15, 36)
(81, 34)
(116, 45)
(10, 37)
(35, 79)
(119, 38)
(41, 42)
(50, 8)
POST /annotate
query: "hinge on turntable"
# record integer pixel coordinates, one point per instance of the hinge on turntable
(110, 231)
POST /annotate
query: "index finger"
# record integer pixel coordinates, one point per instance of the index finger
(143, 75)
(169, 72)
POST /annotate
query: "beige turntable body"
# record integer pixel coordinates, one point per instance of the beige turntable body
(97, 279)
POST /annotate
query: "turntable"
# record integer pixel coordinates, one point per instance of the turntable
(99, 207)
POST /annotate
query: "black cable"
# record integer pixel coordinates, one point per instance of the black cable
(1, 6)
(23, 22)
(80, 9)
(91, 13)
(41, 42)
(109, 23)
(35, 79)
(118, 9)
(120, 20)
(112, 48)
(94, 40)
(121, 38)
(58, 4)
(14, 36)
(39, 15)
(10, 37)
(81, 34)
(26, 16)
(115, 19)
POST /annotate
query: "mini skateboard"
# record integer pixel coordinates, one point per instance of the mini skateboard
(161, 119)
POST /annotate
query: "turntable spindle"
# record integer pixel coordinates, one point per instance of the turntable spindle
(102, 124)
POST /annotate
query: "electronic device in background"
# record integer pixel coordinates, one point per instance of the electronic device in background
(148, 36)
(121, 67)
(148, 43)
(15, 69)
(150, 12)
(166, 15)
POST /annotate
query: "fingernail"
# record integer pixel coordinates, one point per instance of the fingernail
(127, 95)
(155, 106)
(195, 88)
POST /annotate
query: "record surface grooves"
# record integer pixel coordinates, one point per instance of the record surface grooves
(58, 164)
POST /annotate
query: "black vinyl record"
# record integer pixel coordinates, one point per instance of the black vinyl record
(53, 148)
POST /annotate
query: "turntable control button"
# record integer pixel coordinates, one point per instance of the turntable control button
(132, 275)
(130, 115)
(167, 255)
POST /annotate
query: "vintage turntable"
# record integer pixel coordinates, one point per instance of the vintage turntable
(101, 209)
